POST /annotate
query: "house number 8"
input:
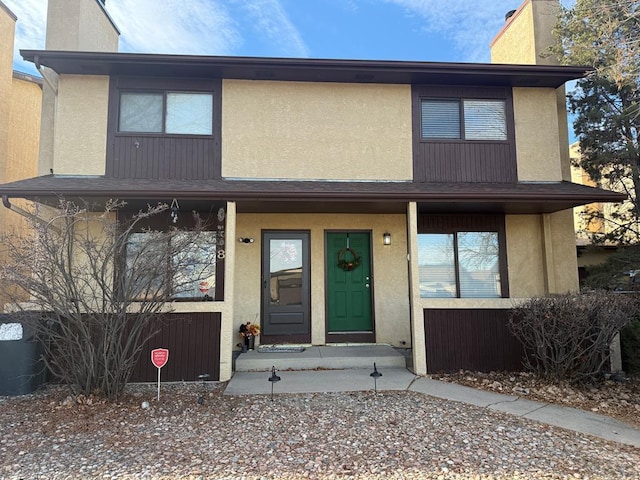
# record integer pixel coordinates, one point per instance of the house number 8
(221, 254)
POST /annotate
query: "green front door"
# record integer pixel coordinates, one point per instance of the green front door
(349, 284)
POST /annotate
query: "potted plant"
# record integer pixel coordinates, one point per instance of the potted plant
(249, 331)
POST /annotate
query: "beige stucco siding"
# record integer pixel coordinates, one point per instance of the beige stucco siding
(541, 254)
(563, 260)
(24, 131)
(537, 134)
(390, 271)
(81, 125)
(525, 255)
(300, 130)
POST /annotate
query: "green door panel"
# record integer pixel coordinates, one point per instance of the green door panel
(349, 291)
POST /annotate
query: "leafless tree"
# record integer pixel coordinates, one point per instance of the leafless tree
(98, 287)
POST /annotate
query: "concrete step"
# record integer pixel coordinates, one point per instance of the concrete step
(325, 357)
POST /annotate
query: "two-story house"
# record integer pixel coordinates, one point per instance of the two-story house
(408, 203)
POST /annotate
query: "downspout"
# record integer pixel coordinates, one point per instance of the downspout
(36, 61)
(29, 215)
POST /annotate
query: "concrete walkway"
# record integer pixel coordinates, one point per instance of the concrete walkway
(324, 381)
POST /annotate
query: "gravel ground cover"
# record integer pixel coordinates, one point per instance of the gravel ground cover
(360, 435)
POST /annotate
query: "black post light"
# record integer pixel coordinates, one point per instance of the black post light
(273, 379)
(375, 374)
(203, 378)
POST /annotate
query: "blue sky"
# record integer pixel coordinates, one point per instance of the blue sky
(424, 30)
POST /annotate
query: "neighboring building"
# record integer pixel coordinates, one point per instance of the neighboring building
(589, 221)
(593, 222)
(449, 182)
(20, 104)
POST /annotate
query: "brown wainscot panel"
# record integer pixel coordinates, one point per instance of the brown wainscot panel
(193, 340)
(470, 339)
(167, 157)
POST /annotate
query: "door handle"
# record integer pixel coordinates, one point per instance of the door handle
(366, 285)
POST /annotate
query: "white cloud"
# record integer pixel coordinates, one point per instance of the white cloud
(271, 22)
(30, 28)
(198, 27)
(175, 26)
(471, 25)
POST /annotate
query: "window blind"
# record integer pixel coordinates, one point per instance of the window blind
(440, 119)
(485, 120)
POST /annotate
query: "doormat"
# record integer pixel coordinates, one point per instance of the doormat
(276, 349)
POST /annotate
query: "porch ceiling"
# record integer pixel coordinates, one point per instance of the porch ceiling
(318, 196)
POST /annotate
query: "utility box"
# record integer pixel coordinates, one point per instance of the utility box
(21, 369)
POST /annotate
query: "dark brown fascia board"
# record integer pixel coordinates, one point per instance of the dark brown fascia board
(325, 191)
(304, 69)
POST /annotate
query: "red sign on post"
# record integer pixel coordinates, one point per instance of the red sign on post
(159, 357)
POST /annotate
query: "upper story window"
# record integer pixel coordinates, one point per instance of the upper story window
(177, 113)
(463, 119)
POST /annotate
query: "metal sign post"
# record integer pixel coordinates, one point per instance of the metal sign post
(159, 357)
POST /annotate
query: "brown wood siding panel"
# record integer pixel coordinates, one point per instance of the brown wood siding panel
(151, 156)
(441, 223)
(163, 158)
(463, 161)
(466, 162)
(193, 340)
(467, 339)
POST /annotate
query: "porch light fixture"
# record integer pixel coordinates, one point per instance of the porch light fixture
(175, 209)
(386, 238)
(245, 240)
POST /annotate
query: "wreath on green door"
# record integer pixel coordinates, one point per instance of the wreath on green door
(348, 259)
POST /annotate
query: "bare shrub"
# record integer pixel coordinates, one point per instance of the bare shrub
(630, 346)
(567, 337)
(95, 296)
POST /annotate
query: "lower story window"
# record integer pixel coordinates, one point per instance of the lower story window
(179, 266)
(459, 265)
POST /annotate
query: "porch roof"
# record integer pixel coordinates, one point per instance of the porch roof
(317, 196)
(304, 69)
